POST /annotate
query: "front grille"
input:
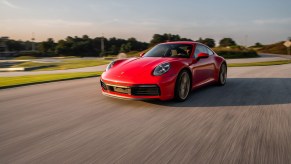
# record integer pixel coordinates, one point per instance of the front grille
(145, 90)
(119, 89)
(138, 90)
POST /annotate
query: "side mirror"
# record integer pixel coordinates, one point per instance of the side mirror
(142, 54)
(202, 55)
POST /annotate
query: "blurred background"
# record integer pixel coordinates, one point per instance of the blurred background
(105, 28)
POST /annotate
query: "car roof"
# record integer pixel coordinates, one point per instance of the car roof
(181, 42)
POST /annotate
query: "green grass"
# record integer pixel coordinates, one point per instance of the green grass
(63, 65)
(8, 82)
(64, 57)
(24, 58)
(268, 63)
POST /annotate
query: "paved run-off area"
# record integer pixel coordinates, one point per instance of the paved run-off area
(246, 121)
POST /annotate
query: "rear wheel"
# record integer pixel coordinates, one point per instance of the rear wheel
(222, 75)
(183, 86)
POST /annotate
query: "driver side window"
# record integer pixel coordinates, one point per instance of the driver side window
(210, 52)
(199, 49)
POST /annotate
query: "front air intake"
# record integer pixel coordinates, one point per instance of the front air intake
(145, 90)
(103, 85)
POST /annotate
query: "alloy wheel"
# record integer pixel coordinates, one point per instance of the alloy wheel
(184, 85)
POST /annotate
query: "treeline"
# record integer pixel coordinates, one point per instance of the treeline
(13, 45)
(86, 46)
(75, 46)
(225, 42)
(158, 38)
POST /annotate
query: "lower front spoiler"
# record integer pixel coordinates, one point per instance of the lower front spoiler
(126, 98)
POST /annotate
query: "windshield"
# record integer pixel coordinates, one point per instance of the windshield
(170, 50)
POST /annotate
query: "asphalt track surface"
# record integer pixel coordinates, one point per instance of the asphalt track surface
(246, 121)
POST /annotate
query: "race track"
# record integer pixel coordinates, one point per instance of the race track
(246, 121)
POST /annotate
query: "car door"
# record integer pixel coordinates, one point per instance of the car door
(203, 68)
(211, 60)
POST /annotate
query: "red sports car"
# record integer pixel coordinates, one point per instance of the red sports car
(169, 70)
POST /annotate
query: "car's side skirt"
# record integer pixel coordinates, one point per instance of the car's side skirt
(204, 83)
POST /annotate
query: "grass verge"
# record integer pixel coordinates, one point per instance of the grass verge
(65, 64)
(8, 82)
(268, 63)
(24, 58)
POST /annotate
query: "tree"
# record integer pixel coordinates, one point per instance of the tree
(225, 42)
(133, 43)
(123, 48)
(114, 50)
(173, 37)
(258, 45)
(47, 46)
(157, 38)
(85, 37)
(80, 46)
(62, 48)
(126, 47)
(200, 40)
(207, 41)
(13, 45)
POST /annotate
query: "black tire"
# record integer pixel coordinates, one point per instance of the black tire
(222, 76)
(182, 86)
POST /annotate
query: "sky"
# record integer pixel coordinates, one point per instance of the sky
(247, 21)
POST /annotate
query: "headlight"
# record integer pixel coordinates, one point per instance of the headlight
(110, 65)
(161, 69)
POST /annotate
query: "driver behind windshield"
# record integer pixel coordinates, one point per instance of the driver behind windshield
(170, 50)
(185, 53)
(188, 51)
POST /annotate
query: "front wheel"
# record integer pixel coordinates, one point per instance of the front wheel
(182, 88)
(222, 75)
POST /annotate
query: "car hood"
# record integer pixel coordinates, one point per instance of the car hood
(138, 66)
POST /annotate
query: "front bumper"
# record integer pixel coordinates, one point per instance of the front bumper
(161, 90)
(124, 97)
